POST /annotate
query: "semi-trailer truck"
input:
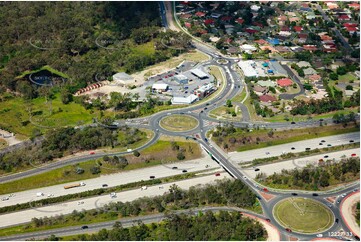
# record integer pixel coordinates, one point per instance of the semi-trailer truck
(74, 185)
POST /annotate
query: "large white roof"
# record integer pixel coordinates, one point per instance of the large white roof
(247, 69)
(160, 86)
(184, 100)
(199, 73)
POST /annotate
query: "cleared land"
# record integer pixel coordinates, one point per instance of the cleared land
(178, 123)
(303, 215)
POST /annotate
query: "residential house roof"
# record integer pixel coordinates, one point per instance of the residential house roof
(314, 77)
(251, 31)
(284, 82)
(188, 25)
(302, 36)
(239, 20)
(267, 98)
(200, 14)
(331, 5)
(354, 5)
(350, 24)
(282, 18)
(344, 17)
(285, 28)
(309, 71)
(351, 29)
(273, 41)
(261, 42)
(298, 28)
(259, 89)
(282, 49)
(185, 16)
(226, 18)
(310, 47)
(266, 83)
(303, 64)
(208, 21)
(294, 19)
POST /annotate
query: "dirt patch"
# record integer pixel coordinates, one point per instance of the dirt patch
(331, 199)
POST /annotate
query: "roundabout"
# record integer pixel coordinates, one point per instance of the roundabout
(303, 215)
(178, 123)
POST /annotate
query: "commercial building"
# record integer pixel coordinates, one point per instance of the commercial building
(204, 90)
(199, 73)
(181, 79)
(248, 68)
(160, 87)
(184, 100)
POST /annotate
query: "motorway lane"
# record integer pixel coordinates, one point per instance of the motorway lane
(126, 222)
(300, 146)
(120, 178)
(69, 161)
(277, 167)
(99, 201)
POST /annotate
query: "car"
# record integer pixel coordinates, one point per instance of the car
(357, 238)
(84, 227)
(184, 171)
(314, 194)
(217, 174)
(267, 153)
(268, 220)
(293, 148)
(152, 177)
(207, 104)
(319, 235)
(80, 202)
(338, 201)
(257, 169)
(321, 119)
(294, 194)
(186, 92)
(343, 195)
(166, 77)
(320, 144)
(113, 195)
(323, 141)
(329, 205)
(336, 220)
(329, 145)
(320, 160)
(174, 167)
(4, 199)
(353, 155)
(205, 108)
(293, 122)
(265, 189)
(326, 156)
(308, 148)
(351, 141)
(202, 111)
(205, 139)
(288, 230)
(105, 185)
(355, 190)
(244, 177)
(91, 152)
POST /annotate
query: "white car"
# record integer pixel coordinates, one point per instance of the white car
(5, 199)
(113, 195)
(319, 235)
(343, 195)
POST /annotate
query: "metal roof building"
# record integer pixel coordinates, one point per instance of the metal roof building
(199, 73)
(248, 69)
(184, 100)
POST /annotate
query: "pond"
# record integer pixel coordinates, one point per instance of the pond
(45, 78)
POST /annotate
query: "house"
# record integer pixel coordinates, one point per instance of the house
(314, 78)
(310, 47)
(266, 83)
(187, 25)
(209, 21)
(285, 33)
(273, 41)
(302, 64)
(233, 50)
(185, 16)
(259, 90)
(226, 18)
(298, 28)
(309, 71)
(248, 48)
(294, 19)
(261, 42)
(350, 24)
(200, 14)
(248, 69)
(349, 93)
(239, 20)
(354, 5)
(331, 5)
(344, 17)
(251, 30)
(268, 48)
(199, 73)
(329, 48)
(216, 15)
(282, 49)
(267, 98)
(305, 9)
(284, 82)
(282, 18)
(310, 15)
(351, 30)
(255, 8)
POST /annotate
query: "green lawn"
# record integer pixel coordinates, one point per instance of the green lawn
(241, 96)
(225, 113)
(178, 123)
(347, 78)
(303, 215)
(14, 114)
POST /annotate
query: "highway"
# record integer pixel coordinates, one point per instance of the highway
(99, 201)
(116, 179)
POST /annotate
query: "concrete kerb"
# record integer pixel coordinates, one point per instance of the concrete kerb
(343, 218)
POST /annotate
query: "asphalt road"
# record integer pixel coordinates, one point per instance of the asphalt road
(299, 146)
(116, 179)
(99, 201)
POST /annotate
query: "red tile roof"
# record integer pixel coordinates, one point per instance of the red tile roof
(226, 18)
(354, 5)
(350, 24)
(202, 31)
(209, 21)
(261, 42)
(251, 31)
(267, 98)
(298, 28)
(314, 77)
(257, 24)
(284, 82)
(351, 29)
(310, 47)
(239, 20)
(302, 36)
(200, 14)
(285, 28)
(188, 25)
(344, 17)
(325, 37)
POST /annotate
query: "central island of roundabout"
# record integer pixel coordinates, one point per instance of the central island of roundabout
(179, 123)
(303, 215)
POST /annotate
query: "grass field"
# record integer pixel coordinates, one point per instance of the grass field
(178, 123)
(225, 113)
(3, 143)
(239, 97)
(303, 215)
(154, 155)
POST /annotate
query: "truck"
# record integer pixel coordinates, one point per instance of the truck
(74, 185)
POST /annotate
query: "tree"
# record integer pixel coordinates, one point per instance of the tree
(95, 170)
(333, 76)
(180, 156)
(349, 87)
(229, 103)
(136, 153)
(66, 96)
